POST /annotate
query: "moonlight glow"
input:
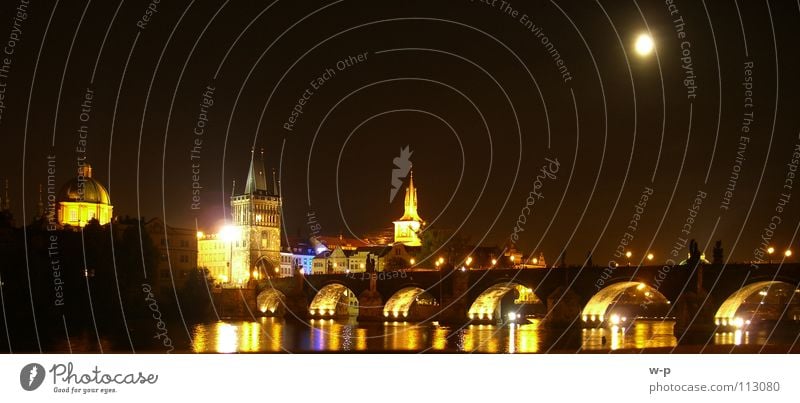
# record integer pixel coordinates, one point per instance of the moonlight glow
(644, 44)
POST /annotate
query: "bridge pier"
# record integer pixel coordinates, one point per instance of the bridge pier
(563, 308)
(235, 302)
(694, 311)
(370, 302)
(454, 307)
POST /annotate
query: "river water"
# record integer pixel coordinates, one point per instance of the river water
(279, 335)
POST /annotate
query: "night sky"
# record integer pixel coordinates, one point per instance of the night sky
(471, 89)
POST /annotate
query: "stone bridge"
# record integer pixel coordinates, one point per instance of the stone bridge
(706, 296)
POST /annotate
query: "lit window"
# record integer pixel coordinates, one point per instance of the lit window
(73, 214)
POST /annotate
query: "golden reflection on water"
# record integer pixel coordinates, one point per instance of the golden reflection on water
(275, 334)
(481, 338)
(439, 341)
(332, 335)
(404, 336)
(641, 334)
(223, 337)
(736, 338)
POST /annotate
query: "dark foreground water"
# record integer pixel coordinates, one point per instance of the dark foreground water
(328, 335)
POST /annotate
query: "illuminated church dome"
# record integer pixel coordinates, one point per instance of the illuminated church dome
(83, 199)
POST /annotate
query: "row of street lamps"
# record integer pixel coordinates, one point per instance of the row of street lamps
(770, 251)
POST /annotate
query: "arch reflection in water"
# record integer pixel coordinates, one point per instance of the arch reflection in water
(334, 300)
(621, 303)
(336, 335)
(490, 304)
(404, 336)
(764, 302)
(639, 334)
(410, 302)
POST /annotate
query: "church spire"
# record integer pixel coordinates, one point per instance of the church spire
(256, 177)
(411, 202)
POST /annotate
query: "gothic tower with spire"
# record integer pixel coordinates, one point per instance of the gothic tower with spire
(256, 215)
(407, 227)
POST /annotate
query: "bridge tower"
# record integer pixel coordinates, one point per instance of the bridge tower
(256, 214)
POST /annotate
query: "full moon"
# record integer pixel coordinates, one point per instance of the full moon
(644, 44)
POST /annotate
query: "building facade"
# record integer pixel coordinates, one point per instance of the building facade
(177, 253)
(214, 255)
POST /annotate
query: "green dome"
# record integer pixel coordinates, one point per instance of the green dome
(92, 191)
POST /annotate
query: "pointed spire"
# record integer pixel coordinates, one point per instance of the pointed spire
(274, 182)
(411, 202)
(256, 178)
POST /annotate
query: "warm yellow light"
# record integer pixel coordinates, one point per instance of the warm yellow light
(361, 265)
(650, 256)
(614, 319)
(536, 260)
(199, 234)
(469, 260)
(412, 261)
(788, 252)
(640, 286)
(512, 258)
(334, 265)
(276, 270)
(255, 274)
(223, 278)
(644, 44)
(437, 264)
(628, 254)
(770, 250)
(494, 262)
(229, 233)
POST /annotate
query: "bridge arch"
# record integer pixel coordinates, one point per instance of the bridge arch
(628, 299)
(488, 305)
(402, 304)
(334, 300)
(271, 302)
(763, 301)
(264, 268)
